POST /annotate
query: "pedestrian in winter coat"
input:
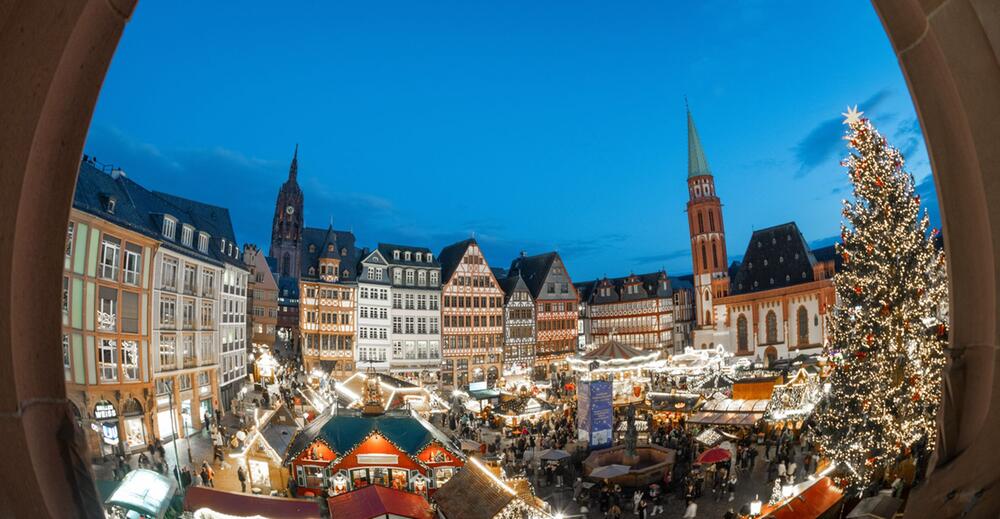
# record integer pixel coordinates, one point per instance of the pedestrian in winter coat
(242, 476)
(691, 511)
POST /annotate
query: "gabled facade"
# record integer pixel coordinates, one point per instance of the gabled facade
(636, 310)
(415, 311)
(556, 303)
(262, 299)
(471, 317)
(328, 301)
(374, 321)
(349, 451)
(518, 327)
(683, 312)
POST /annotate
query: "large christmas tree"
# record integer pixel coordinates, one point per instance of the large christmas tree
(887, 331)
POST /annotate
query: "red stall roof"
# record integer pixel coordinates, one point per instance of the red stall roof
(812, 502)
(234, 503)
(377, 501)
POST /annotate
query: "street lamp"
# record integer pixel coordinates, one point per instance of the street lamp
(173, 429)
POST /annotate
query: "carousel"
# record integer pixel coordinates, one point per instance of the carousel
(697, 364)
(626, 367)
(396, 393)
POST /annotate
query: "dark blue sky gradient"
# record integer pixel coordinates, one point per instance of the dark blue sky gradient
(534, 125)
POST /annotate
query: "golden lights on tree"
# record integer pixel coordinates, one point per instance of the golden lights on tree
(888, 329)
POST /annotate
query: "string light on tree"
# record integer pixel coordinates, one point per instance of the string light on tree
(887, 329)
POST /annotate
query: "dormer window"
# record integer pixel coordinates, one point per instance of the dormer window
(430, 257)
(312, 271)
(230, 248)
(203, 242)
(109, 204)
(343, 251)
(420, 257)
(312, 248)
(329, 248)
(169, 227)
(395, 254)
(187, 235)
(407, 255)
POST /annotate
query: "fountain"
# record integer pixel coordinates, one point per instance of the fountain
(647, 463)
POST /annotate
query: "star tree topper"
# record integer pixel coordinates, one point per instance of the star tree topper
(852, 115)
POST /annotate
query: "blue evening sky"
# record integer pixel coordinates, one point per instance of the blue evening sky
(534, 125)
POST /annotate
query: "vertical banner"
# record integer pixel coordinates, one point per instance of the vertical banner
(595, 417)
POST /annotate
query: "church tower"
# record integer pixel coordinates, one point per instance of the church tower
(286, 228)
(708, 235)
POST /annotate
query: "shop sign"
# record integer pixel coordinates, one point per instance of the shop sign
(378, 459)
(105, 411)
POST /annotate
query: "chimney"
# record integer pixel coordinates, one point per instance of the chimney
(523, 253)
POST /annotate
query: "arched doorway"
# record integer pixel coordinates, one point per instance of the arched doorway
(947, 50)
(770, 355)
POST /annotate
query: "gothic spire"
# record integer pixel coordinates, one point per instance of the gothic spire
(697, 163)
(293, 170)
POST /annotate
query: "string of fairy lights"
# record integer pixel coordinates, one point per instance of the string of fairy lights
(887, 331)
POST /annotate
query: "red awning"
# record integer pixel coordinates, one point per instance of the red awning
(811, 503)
(377, 501)
(234, 503)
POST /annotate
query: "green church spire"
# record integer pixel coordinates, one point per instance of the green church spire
(697, 163)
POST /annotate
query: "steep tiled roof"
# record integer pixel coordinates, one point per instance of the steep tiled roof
(510, 284)
(141, 210)
(649, 284)
(343, 248)
(533, 270)
(342, 432)
(386, 250)
(685, 282)
(472, 494)
(776, 257)
(451, 256)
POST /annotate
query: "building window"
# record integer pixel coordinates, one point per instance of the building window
(715, 256)
(802, 316)
(395, 254)
(421, 277)
(203, 242)
(190, 276)
(66, 362)
(107, 359)
(69, 239)
(207, 283)
(741, 334)
(110, 254)
(711, 220)
(132, 265)
(169, 227)
(434, 278)
(168, 277)
(107, 309)
(187, 235)
(168, 311)
(701, 223)
(130, 360)
(409, 276)
(771, 326)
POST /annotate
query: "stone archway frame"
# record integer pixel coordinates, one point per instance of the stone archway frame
(55, 53)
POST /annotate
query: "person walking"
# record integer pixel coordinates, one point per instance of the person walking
(691, 512)
(242, 476)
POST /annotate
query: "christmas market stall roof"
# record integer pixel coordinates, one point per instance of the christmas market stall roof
(248, 505)
(812, 499)
(679, 402)
(614, 355)
(376, 501)
(145, 492)
(477, 493)
(344, 431)
(727, 411)
(279, 429)
(396, 393)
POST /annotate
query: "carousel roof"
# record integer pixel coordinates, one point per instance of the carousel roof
(614, 350)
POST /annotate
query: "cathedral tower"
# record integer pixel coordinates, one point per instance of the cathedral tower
(708, 235)
(286, 228)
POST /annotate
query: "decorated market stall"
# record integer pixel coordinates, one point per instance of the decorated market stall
(667, 408)
(624, 365)
(478, 492)
(396, 394)
(793, 401)
(730, 412)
